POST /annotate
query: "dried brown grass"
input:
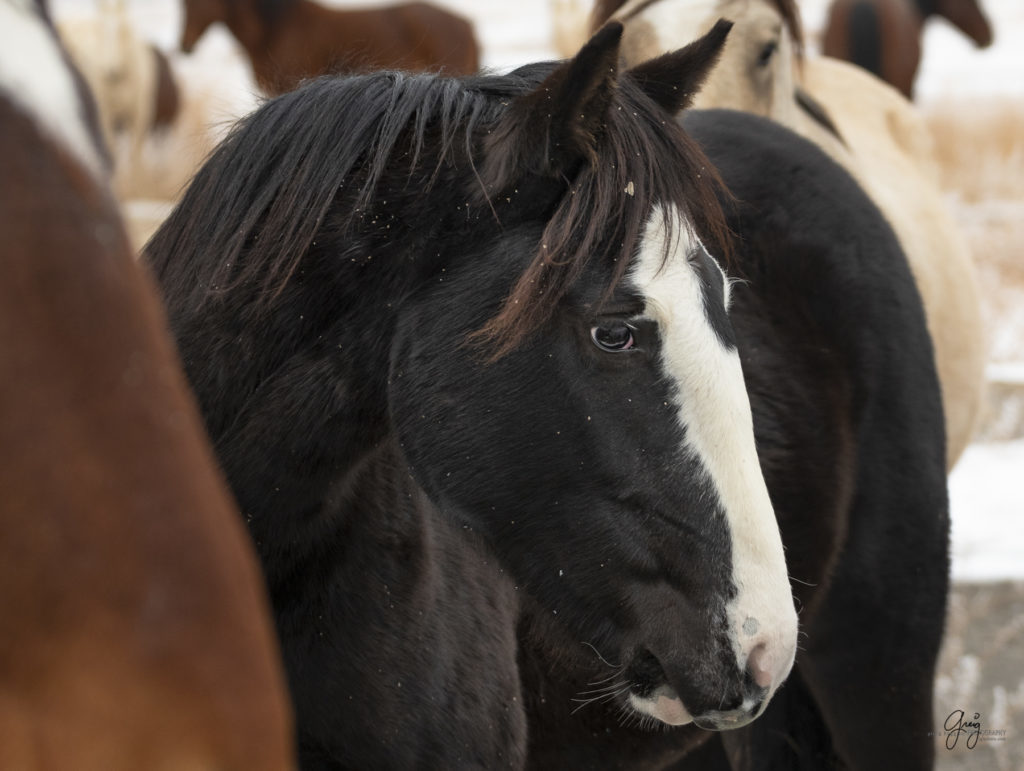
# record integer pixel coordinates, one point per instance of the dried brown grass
(980, 149)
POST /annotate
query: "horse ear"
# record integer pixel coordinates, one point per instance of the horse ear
(556, 126)
(673, 79)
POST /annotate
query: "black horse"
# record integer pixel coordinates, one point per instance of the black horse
(476, 382)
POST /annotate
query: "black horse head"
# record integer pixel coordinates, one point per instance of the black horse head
(486, 304)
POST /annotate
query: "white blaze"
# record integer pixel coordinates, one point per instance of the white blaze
(35, 76)
(713, 408)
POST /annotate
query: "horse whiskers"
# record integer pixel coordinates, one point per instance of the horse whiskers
(803, 583)
(602, 659)
(608, 696)
(606, 689)
(612, 676)
(630, 718)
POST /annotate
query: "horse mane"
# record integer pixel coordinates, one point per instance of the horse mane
(788, 10)
(266, 194)
(926, 8)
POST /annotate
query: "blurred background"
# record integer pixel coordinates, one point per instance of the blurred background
(973, 102)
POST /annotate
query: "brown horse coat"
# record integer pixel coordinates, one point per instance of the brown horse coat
(884, 36)
(134, 631)
(291, 40)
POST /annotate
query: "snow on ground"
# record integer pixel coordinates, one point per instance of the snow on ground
(987, 487)
(988, 512)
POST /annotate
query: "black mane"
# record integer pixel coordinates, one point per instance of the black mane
(360, 139)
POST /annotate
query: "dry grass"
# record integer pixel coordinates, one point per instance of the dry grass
(980, 148)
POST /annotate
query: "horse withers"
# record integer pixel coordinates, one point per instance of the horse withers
(288, 41)
(134, 627)
(466, 359)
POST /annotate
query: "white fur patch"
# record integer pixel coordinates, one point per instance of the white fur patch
(671, 18)
(714, 409)
(664, 704)
(35, 76)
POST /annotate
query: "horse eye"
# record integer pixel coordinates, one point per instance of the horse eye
(766, 53)
(613, 336)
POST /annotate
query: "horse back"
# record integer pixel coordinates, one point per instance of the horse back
(833, 337)
(312, 40)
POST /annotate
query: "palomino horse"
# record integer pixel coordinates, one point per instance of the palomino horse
(291, 40)
(134, 627)
(477, 382)
(884, 36)
(130, 79)
(880, 139)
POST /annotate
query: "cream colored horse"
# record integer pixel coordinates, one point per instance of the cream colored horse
(120, 69)
(884, 144)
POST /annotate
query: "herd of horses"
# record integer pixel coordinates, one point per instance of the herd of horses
(553, 419)
(288, 41)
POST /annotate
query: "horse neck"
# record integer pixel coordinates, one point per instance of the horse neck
(967, 16)
(250, 28)
(926, 8)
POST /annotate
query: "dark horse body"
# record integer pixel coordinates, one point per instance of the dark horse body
(884, 36)
(292, 40)
(450, 397)
(134, 627)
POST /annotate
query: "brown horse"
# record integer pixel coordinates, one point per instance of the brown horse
(884, 36)
(134, 630)
(290, 40)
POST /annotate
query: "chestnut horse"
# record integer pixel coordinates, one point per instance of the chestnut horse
(884, 36)
(134, 630)
(868, 128)
(288, 41)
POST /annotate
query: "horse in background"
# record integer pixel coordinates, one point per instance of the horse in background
(131, 79)
(134, 630)
(289, 41)
(884, 36)
(868, 128)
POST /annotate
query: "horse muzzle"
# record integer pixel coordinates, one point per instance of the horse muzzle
(714, 706)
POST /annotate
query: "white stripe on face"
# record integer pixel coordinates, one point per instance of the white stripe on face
(714, 410)
(35, 76)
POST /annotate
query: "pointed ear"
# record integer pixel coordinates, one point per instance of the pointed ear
(673, 79)
(555, 127)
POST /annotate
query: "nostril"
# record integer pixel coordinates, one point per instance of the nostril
(645, 673)
(759, 667)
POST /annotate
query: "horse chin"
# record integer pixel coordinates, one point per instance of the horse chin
(662, 704)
